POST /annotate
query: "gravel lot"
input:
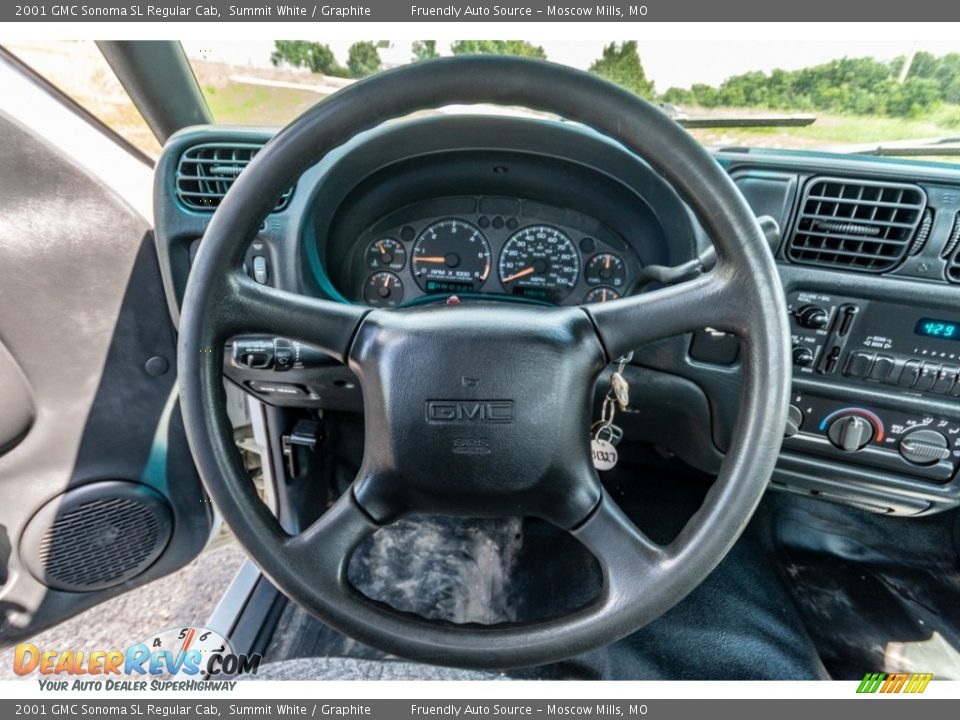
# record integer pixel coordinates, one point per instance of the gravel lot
(188, 596)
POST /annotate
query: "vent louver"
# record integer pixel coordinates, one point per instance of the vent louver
(951, 251)
(857, 224)
(205, 173)
(922, 234)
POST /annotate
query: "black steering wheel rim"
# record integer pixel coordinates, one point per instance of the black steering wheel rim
(642, 580)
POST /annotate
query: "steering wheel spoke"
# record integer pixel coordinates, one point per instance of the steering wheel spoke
(630, 560)
(248, 307)
(326, 545)
(629, 323)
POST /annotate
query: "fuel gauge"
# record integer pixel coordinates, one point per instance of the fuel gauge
(386, 254)
(383, 289)
(606, 269)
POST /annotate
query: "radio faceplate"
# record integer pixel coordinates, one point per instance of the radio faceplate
(866, 341)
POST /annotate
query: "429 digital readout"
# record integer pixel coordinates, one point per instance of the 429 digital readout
(943, 329)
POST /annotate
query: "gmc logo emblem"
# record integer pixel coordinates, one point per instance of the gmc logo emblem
(470, 411)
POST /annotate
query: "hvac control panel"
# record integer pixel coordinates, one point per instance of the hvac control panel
(875, 342)
(925, 446)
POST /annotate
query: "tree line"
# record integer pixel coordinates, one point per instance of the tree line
(861, 86)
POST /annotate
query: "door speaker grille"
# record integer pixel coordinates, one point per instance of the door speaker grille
(96, 536)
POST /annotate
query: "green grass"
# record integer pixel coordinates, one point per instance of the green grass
(840, 130)
(244, 104)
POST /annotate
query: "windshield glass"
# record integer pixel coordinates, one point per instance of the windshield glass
(878, 98)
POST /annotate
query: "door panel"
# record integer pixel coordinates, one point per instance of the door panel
(18, 410)
(98, 493)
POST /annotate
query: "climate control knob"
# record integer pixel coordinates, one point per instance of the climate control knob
(813, 317)
(924, 447)
(794, 421)
(850, 433)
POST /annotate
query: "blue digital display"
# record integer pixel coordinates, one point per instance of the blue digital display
(943, 329)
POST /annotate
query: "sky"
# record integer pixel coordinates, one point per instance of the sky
(667, 63)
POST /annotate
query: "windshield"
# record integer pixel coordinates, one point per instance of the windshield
(876, 98)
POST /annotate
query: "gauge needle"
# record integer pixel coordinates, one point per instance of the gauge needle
(386, 281)
(519, 274)
(188, 640)
(434, 259)
(380, 245)
(606, 265)
(186, 643)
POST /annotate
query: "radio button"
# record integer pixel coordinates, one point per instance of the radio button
(946, 379)
(909, 374)
(955, 390)
(858, 364)
(882, 368)
(928, 376)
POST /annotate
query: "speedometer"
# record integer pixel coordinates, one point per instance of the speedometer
(451, 256)
(540, 262)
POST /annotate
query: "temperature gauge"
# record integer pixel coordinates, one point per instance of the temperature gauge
(386, 254)
(606, 269)
(383, 289)
(600, 294)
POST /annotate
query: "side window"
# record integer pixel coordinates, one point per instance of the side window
(79, 70)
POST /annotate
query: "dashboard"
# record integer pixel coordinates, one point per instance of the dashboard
(523, 210)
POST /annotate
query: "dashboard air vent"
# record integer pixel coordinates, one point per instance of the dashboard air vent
(923, 233)
(207, 171)
(951, 251)
(856, 224)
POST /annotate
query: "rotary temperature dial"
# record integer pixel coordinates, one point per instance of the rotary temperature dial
(850, 432)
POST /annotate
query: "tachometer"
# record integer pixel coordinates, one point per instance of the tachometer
(451, 256)
(540, 262)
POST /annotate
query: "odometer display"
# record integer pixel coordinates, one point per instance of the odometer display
(540, 262)
(942, 329)
(451, 252)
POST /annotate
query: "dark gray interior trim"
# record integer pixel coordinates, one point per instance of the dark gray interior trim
(158, 77)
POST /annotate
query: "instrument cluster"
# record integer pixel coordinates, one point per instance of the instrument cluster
(497, 246)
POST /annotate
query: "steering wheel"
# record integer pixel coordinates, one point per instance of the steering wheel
(484, 409)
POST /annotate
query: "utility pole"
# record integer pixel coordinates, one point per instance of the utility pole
(905, 70)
